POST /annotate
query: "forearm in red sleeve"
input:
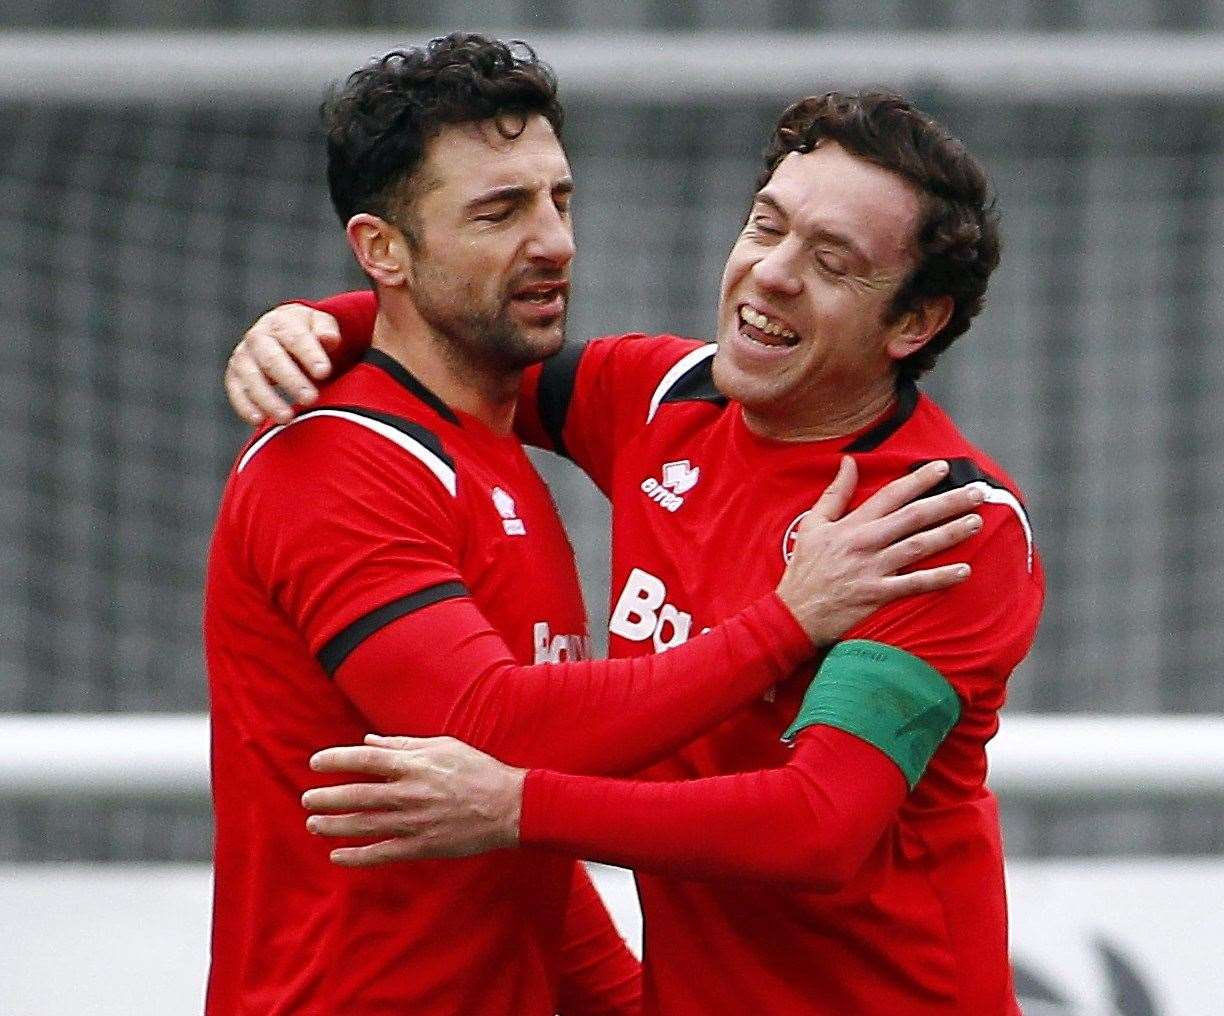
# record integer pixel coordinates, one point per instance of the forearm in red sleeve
(812, 822)
(354, 313)
(599, 975)
(444, 670)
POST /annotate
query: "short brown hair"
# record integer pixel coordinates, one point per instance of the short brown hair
(958, 235)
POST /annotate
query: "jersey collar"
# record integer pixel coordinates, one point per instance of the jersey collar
(400, 373)
(902, 410)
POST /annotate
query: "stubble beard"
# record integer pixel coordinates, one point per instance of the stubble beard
(479, 342)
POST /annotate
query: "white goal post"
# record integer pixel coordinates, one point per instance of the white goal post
(1035, 758)
(130, 67)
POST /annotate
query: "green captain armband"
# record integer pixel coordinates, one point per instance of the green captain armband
(884, 695)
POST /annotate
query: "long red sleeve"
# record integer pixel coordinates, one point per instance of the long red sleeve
(444, 670)
(812, 822)
(599, 975)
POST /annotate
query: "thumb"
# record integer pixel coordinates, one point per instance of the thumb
(832, 504)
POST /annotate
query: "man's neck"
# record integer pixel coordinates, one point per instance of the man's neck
(458, 383)
(835, 416)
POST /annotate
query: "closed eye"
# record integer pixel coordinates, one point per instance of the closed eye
(763, 225)
(495, 216)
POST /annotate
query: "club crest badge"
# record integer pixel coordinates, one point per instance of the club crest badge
(792, 534)
(506, 508)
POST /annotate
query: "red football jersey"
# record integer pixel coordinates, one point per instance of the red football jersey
(703, 515)
(376, 502)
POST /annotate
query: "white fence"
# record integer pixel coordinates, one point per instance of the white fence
(235, 66)
(1099, 937)
(1097, 757)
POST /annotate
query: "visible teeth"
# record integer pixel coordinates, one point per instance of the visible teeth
(758, 320)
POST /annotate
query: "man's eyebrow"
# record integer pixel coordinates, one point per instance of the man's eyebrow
(515, 192)
(765, 198)
(511, 192)
(821, 233)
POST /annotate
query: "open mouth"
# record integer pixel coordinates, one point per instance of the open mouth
(765, 330)
(541, 300)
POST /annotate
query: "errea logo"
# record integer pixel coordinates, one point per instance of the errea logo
(505, 506)
(678, 478)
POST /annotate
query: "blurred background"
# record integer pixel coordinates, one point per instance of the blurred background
(161, 184)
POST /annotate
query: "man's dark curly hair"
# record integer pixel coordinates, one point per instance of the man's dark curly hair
(379, 122)
(958, 233)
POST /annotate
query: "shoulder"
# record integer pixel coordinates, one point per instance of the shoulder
(929, 434)
(619, 380)
(970, 465)
(337, 455)
(642, 360)
(342, 490)
(650, 371)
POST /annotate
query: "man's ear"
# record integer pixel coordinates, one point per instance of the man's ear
(916, 327)
(379, 247)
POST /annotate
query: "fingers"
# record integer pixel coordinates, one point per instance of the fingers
(238, 399)
(385, 852)
(279, 350)
(928, 580)
(291, 339)
(367, 759)
(278, 367)
(902, 491)
(351, 797)
(391, 758)
(250, 393)
(934, 541)
(836, 496)
(363, 824)
(325, 331)
(399, 743)
(920, 515)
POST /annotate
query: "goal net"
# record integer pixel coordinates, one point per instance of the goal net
(157, 193)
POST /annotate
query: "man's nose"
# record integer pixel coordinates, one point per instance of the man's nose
(779, 270)
(554, 239)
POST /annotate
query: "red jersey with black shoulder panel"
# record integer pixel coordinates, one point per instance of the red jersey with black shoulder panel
(376, 503)
(703, 515)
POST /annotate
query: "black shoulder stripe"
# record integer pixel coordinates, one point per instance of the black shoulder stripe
(556, 391)
(397, 370)
(411, 428)
(336, 651)
(695, 385)
(421, 443)
(907, 401)
(961, 473)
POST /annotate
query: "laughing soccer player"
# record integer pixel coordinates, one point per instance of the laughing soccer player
(392, 560)
(872, 845)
